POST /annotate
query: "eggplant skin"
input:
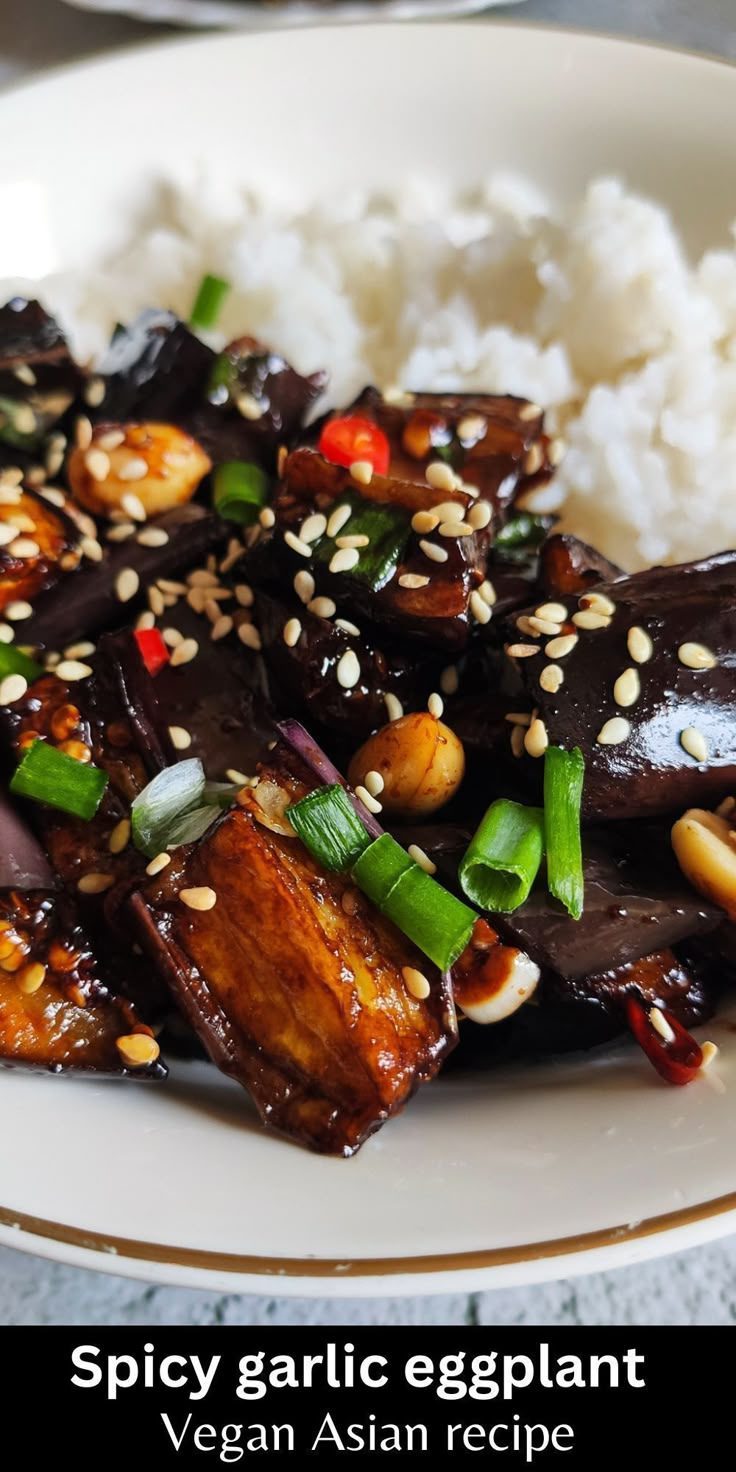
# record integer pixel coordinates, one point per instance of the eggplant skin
(302, 1003)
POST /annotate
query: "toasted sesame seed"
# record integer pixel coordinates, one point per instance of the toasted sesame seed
(25, 374)
(91, 549)
(521, 651)
(156, 865)
(345, 559)
(479, 515)
(555, 613)
(353, 541)
(23, 523)
(517, 741)
(95, 883)
(449, 680)
(134, 469)
(536, 739)
(185, 652)
(137, 1049)
(112, 440)
(415, 982)
(450, 511)
(313, 528)
(221, 627)
(180, 738)
(249, 636)
(423, 860)
(73, 669)
(17, 611)
(613, 732)
(455, 529)
(347, 627)
(202, 578)
(54, 496)
(369, 802)
(145, 620)
(627, 688)
(121, 532)
(661, 1025)
(709, 1051)
(6, 634)
(374, 783)
(435, 705)
(518, 717)
(322, 607)
(152, 536)
(119, 837)
(8, 533)
(362, 471)
(170, 585)
(530, 411)
(538, 627)
(348, 669)
(94, 392)
(639, 644)
(694, 743)
(472, 427)
(25, 421)
(559, 647)
(292, 632)
(303, 586)
(413, 580)
(551, 678)
(598, 603)
(696, 657)
(587, 618)
(98, 464)
(349, 901)
(244, 594)
(433, 552)
(297, 545)
(81, 650)
(479, 608)
(12, 688)
(249, 407)
(533, 460)
(133, 506)
(30, 978)
(25, 547)
(240, 778)
(556, 452)
(127, 584)
(440, 476)
(172, 637)
(157, 602)
(394, 708)
(51, 659)
(339, 517)
(11, 477)
(267, 518)
(201, 897)
(424, 521)
(401, 397)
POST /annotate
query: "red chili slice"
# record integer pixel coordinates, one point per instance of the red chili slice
(677, 1061)
(153, 650)
(343, 441)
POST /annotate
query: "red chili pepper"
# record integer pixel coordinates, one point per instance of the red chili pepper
(677, 1061)
(343, 441)
(153, 650)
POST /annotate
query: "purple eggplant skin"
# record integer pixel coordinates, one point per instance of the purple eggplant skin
(567, 565)
(648, 772)
(86, 601)
(31, 340)
(23, 863)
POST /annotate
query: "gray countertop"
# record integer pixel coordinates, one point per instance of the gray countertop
(696, 1287)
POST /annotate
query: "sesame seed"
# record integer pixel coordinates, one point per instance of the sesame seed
(199, 898)
(423, 860)
(82, 650)
(137, 1049)
(12, 688)
(168, 585)
(555, 613)
(472, 427)
(292, 632)
(518, 717)
(362, 471)
(51, 659)
(374, 783)
(412, 580)
(145, 620)
(54, 497)
(121, 532)
(347, 627)
(202, 578)
(339, 517)
(556, 452)
(73, 669)
(598, 603)
(7, 533)
(17, 611)
(157, 601)
(127, 584)
(156, 865)
(449, 680)
(172, 637)
(440, 476)
(119, 837)
(639, 644)
(348, 669)
(344, 560)
(180, 738)
(401, 397)
(94, 392)
(112, 440)
(558, 648)
(415, 982)
(25, 374)
(424, 521)
(349, 901)
(433, 552)
(450, 511)
(6, 634)
(479, 515)
(303, 586)
(25, 547)
(249, 636)
(356, 541)
(696, 657)
(536, 739)
(152, 536)
(661, 1025)
(267, 519)
(296, 544)
(30, 978)
(521, 651)
(709, 1051)
(11, 476)
(313, 528)
(98, 464)
(694, 743)
(487, 593)
(221, 627)
(517, 741)
(627, 688)
(538, 627)
(533, 460)
(589, 619)
(133, 506)
(369, 802)
(23, 523)
(613, 732)
(240, 778)
(530, 411)
(95, 883)
(394, 708)
(551, 678)
(455, 529)
(134, 469)
(244, 593)
(435, 705)
(322, 607)
(185, 652)
(479, 608)
(25, 419)
(249, 407)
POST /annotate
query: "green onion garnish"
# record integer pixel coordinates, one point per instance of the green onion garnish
(524, 530)
(438, 924)
(329, 827)
(380, 867)
(50, 776)
(18, 424)
(208, 302)
(387, 530)
(563, 788)
(14, 662)
(501, 864)
(157, 809)
(239, 491)
(190, 826)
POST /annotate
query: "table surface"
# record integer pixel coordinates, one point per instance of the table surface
(696, 1287)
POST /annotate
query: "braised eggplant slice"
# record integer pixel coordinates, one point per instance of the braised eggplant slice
(38, 377)
(295, 992)
(44, 545)
(567, 565)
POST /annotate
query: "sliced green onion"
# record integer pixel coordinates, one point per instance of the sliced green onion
(221, 794)
(209, 301)
(387, 530)
(190, 826)
(563, 789)
(524, 530)
(239, 491)
(14, 662)
(174, 792)
(50, 776)
(329, 827)
(12, 412)
(438, 924)
(502, 862)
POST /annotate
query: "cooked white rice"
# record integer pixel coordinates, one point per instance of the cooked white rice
(596, 314)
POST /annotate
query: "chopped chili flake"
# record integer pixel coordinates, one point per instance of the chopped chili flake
(351, 439)
(677, 1061)
(153, 649)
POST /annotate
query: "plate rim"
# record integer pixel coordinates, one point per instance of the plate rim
(528, 1262)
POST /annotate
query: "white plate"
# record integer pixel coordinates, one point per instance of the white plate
(269, 15)
(524, 1174)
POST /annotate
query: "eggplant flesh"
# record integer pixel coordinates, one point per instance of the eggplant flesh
(301, 1002)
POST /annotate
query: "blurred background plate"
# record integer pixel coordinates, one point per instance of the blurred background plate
(267, 14)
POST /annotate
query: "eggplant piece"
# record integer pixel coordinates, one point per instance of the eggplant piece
(647, 770)
(38, 377)
(303, 1003)
(48, 528)
(567, 565)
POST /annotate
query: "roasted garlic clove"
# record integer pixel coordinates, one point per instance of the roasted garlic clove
(139, 469)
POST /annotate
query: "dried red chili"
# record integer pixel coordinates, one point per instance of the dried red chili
(677, 1060)
(153, 649)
